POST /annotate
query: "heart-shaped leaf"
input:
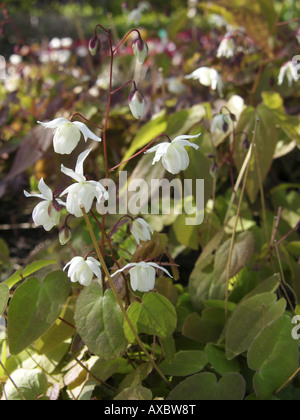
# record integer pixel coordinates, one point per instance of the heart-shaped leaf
(186, 362)
(274, 354)
(34, 307)
(204, 387)
(248, 319)
(154, 316)
(99, 321)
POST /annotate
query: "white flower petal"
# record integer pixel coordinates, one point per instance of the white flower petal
(123, 269)
(80, 160)
(87, 133)
(45, 190)
(54, 123)
(69, 172)
(160, 268)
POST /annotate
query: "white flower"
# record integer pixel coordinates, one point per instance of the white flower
(141, 230)
(207, 77)
(67, 134)
(83, 192)
(290, 71)
(136, 104)
(46, 213)
(226, 47)
(142, 275)
(174, 156)
(83, 270)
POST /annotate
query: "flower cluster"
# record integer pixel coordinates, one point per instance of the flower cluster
(81, 194)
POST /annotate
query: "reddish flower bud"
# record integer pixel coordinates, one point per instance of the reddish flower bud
(140, 50)
(94, 45)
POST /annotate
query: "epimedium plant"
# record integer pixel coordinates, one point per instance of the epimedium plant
(114, 324)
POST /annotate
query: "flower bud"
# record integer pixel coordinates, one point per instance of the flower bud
(136, 104)
(140, 50)
(214, 169)
(94, 45)
(64, 234)
(246, 144)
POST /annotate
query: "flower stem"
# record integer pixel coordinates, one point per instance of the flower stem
(228, 268)
(140, 152)
(118, 299)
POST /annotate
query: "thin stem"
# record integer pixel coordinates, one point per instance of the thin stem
(118, 299)
(140, 152)
(262, 197)
(123, 86)
(12, 381)
(284, 284)
(77, 114)
(235, 224)
(294, 375)
(125, 37)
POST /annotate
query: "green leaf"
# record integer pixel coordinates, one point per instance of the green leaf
(4, 295)
(248, 319)
(136, 393)
(185, 234)
(136, 377)
(30, 269)
(154, 316)
(31, 384)
(99, 321)
(274, 355)
(186, 362)
(217, 358)
(205, 328)
(34, 307)
(242, 250)
(204, 387)
(266, 140)
(59, 331)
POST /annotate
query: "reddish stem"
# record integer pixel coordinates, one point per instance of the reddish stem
(141, 151)
(125, 37)
(77, 114)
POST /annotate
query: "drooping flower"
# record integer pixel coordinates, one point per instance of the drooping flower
(64, 234)
(141, 230)
(226, 47)
(136, 104)
(140, 49)
(289, 70)
(83, 192)
(47, 212)
(173, 155)
(142, 275)
(67, 134)
(94, 44)
(83, 270)
(207, 77)
(220, 122)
